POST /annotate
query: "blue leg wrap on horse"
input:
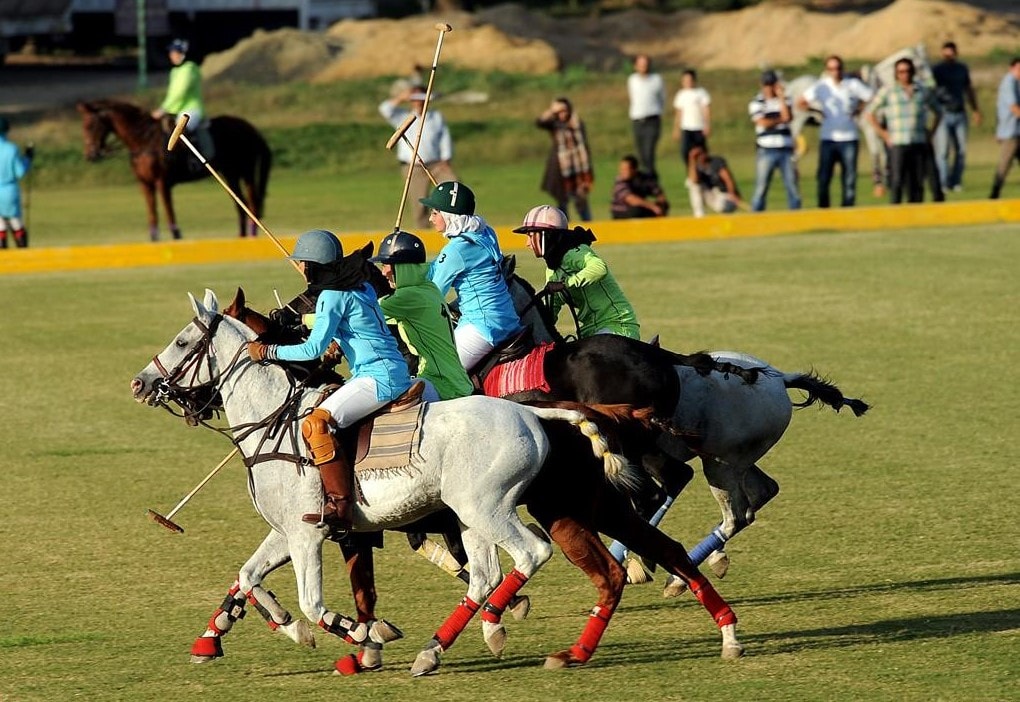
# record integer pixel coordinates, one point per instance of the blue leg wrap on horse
(619, 551)
(710, 543)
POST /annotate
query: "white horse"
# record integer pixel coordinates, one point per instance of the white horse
(728, 423)
(477, 455)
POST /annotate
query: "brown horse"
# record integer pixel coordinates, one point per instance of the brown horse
(241, 156)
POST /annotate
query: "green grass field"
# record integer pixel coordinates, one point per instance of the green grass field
(887, 568)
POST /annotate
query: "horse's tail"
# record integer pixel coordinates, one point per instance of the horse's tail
(617, 469)
(820, 390)
(703, 363)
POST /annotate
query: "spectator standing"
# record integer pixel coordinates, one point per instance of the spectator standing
(710, 181)
(13, 167)
(906, 104)
(839, 98)
(693, 123)
(1007, 132)
(771, 112)
(955, 91)
(647, 96)
(569, 174)
(636, 194)
(435, 149)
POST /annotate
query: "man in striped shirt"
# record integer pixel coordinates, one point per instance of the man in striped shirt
(906, 105)
(771, 112)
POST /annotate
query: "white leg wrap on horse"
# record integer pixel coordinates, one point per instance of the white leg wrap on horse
(229, 612)
(350, 630)
(266, 604)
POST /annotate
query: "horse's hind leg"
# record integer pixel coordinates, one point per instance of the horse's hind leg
(585, 550)
(269, 556)
(618, 520)
(168, 204)
(242, 219)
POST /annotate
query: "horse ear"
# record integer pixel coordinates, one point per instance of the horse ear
(211, 303)
(239, 301)
(197, 306)
(368, 249)
(513, 264)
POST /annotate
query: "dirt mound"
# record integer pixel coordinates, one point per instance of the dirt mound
(511, 38)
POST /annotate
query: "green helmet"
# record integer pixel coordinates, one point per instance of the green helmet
(453, 197)
(317, 245)
(400, 247)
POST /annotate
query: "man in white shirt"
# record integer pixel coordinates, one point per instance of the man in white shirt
(647, 95)
(436, 148)
(839, 98)
(692, 126)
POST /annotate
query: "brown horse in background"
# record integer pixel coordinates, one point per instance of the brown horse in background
(241, 156)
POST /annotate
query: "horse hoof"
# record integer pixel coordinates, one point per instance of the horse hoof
(426, 662)
(299, 632)
(719, 562)
(732, 651)
(205, 649)
(495, 637)
(366, 661)
(563, 659)
(674, 587)
(383, 632)
(519, 607)
(636, 573)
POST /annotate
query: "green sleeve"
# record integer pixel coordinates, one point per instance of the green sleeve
(583, 267)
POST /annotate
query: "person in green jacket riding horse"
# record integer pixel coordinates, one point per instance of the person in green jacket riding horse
(575, 270)
(421, 315)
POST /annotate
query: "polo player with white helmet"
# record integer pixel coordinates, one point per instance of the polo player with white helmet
(574, 269)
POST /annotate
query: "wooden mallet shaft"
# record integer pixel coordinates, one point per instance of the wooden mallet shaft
(401, 133)
(167, 521)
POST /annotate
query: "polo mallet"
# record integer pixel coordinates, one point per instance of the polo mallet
(442, 28)
(401, 133)
(167, 521)
(178, 134)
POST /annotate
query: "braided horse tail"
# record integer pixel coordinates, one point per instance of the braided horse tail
(821, 390)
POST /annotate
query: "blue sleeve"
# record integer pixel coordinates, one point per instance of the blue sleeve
(445, 269)
(328, 315)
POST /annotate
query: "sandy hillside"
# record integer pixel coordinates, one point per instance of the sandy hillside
(511, 38)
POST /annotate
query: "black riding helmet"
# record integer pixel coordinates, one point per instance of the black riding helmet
(400, 247)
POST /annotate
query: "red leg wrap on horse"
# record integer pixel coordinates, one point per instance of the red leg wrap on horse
(349, 665)
(712, 601)
(592, 634)
(208, 646)
(455, 624)
(500, 598)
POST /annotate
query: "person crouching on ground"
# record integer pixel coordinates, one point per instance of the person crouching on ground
(710, 181)
(470, 264)
(347, 311)
(575, 270)
(421, 316)
(636, 194)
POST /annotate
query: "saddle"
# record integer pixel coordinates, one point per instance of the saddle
(516, 347)
(386, 438)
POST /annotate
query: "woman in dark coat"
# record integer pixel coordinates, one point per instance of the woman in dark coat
(568, 171)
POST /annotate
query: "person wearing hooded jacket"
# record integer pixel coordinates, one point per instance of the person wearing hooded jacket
(423, 321)
(574, 269)
(470, 264)
(346, 311)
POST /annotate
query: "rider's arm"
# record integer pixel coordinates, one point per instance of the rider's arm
(587, 268)
(445, 269)
(329, 311)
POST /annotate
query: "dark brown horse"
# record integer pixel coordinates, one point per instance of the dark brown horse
(240, 155)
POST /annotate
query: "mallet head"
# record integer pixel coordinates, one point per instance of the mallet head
(443, 27)
(182, 122)
(163, 521)
(401, 130)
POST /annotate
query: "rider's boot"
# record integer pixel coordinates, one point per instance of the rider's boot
(333, 469)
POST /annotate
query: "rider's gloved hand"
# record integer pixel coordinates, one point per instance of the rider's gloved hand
(285, 317)
(555, 286)
(260, 352)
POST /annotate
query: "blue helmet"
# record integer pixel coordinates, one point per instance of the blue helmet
(317, 245)
(180, 45)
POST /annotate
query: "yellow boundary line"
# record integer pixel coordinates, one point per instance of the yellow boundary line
(47, 260)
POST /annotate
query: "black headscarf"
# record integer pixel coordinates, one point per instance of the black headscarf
(346, 273)
(559, 241)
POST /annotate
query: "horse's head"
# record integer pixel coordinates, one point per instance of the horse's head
(96, 128)
(189, 369)
(531, 308)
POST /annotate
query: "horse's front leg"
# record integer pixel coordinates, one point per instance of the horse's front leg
(305, 543)
(149, 193)
(269, 556)
(166, 194)
(360, 561)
